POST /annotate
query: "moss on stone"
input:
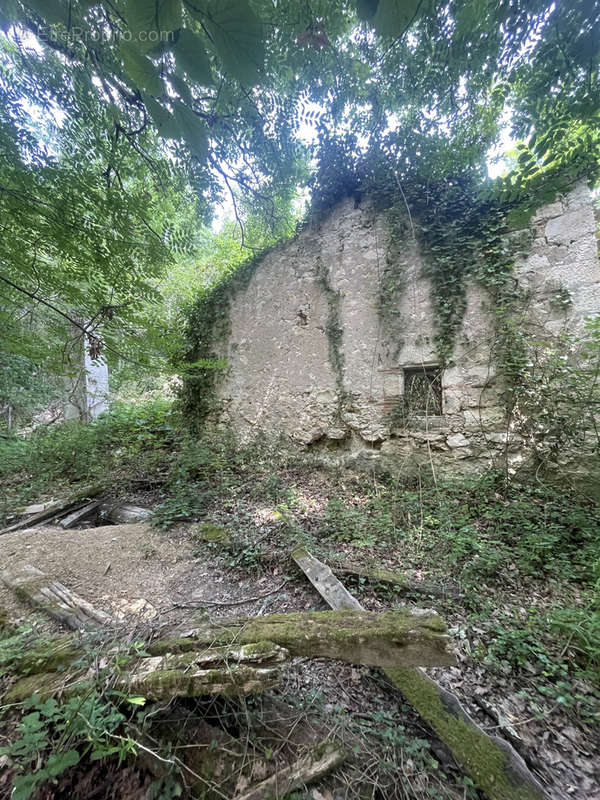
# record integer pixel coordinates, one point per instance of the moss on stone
(207, 532)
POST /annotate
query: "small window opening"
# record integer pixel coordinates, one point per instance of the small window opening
(423, 390)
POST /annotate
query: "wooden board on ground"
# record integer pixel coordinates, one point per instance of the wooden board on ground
(54, 599)
(57, 509)
(324, 581)
(79, 515)
(492, 763)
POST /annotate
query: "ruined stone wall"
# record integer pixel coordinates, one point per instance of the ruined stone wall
(313, 356)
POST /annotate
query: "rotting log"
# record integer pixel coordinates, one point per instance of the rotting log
(492, 763)
(361, 637)
(54, 599)
(237, 670)
(57, 509)
(306, 770)
(123, 513)
(80, 514)
(400, 580)
(390, 638)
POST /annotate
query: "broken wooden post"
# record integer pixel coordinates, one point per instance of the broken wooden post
(390, 638)
(492, 763)
(306, 770)
(53, 598)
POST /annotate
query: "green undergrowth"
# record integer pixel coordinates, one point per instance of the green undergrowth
(526, 554)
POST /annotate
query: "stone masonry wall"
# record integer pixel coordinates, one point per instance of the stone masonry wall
(289, 375)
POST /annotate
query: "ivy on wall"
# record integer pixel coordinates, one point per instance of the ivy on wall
(465, 226)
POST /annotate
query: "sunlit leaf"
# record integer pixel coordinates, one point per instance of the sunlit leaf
(164, 121)
(150, 21)
(140, 69)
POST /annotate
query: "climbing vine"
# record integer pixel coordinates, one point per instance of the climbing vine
(467, 226)
(333, 329)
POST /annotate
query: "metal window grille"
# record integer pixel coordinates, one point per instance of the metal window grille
(423, 390)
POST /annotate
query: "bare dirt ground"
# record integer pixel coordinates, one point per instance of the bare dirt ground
(158, 580)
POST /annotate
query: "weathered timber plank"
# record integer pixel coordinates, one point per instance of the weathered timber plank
(324, 581)
(56, 509)
(492, 763)
(76, 516)
(54, 599)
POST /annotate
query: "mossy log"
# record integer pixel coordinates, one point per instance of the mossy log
(401, 580)
(233, 670)
(493, 765)
(391, 638)
(306, 770)
(54, 599)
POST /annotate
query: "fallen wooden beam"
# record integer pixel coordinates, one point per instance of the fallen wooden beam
(238, 670)
(390, 638)
(80, 514)
(306, 770)
(492, 763)
(57, 509)
(124, 513)
(54, 599)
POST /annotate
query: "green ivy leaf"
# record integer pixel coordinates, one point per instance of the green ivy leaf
(192, 129)
(191, 57)
(140, 69)
(393, 17)
(25, 785)
(237, 35)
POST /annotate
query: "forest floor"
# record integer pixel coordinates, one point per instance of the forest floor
(523, 671)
